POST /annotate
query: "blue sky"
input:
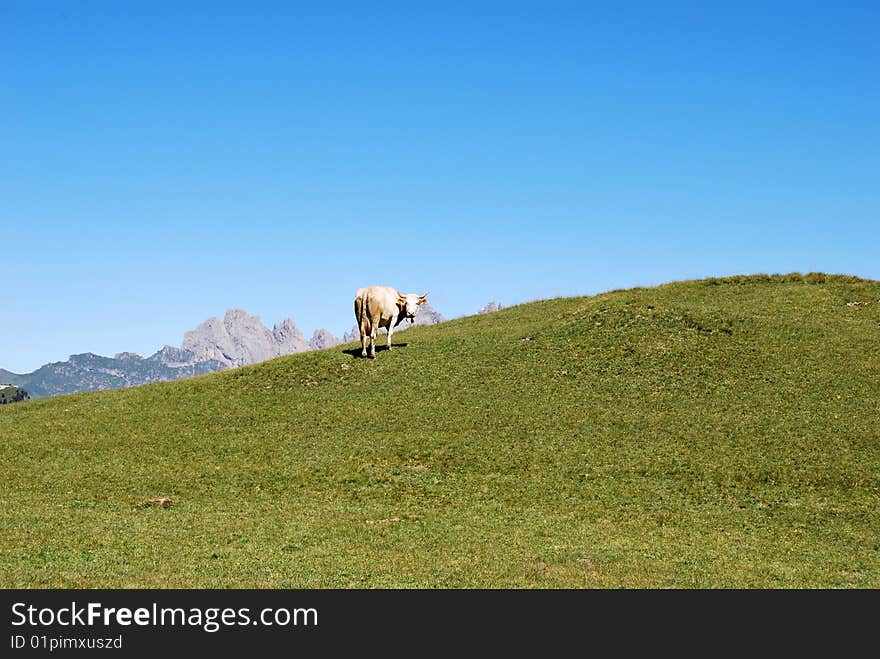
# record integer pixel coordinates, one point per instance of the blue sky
(162, 162)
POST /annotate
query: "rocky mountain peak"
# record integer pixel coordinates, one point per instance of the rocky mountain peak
(242, 339)
(428, 315)
(127, 355)
(210, 340)
(288, 338)
(323, 339)
(490, 307)
(171, 356)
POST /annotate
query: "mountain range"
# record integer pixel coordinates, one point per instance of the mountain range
(238, 339)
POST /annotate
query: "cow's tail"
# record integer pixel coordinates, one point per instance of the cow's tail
(361, 314)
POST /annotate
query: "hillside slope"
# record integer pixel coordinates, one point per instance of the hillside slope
(717, 433)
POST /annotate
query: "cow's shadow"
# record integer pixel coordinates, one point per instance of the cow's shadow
(356, 352)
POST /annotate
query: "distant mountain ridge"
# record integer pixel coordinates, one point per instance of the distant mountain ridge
(215, 345)
(91, 372)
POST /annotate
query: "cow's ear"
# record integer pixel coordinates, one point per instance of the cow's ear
(401, 299)
(423, 299)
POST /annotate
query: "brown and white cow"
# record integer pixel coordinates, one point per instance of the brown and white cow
(383, 306)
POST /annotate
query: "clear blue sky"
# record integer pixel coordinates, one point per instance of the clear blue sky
(161, 162)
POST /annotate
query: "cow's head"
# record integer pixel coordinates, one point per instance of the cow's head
(410, 303)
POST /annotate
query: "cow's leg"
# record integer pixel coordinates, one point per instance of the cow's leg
(374, 330)
(390, 330)
(363, 342)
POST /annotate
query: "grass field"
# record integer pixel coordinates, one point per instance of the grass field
(716, 433)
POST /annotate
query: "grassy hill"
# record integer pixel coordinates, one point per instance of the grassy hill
(717, 433)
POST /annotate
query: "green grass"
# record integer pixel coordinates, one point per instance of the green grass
(713, 434)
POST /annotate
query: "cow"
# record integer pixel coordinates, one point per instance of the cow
(383, 306)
